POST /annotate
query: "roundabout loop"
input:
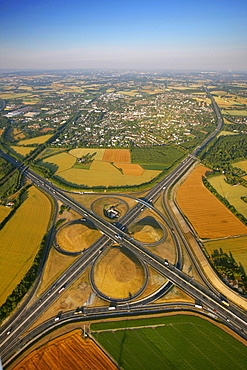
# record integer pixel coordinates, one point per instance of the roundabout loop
(119, 300)
(63, 251)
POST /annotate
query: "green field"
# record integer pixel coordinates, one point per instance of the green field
(177, 342)
(232, 193)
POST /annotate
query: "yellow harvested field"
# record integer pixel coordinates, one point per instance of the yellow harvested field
(20, 239)
(77, 236)
(22, 150)
(117, 155)
(80, 152)
(4, 211)
(13, 95)
(241, 164)
(63, 161)
(118, 273)
(209, 217)
(67, 352)
(226, 133)
(105, 167)
(36, 140)
(130, 168)
(101, 178)
(237, 246)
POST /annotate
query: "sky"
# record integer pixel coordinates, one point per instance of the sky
(117, 34)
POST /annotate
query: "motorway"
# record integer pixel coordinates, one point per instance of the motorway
(233, 316)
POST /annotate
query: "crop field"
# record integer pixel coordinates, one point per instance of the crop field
(23, 151)
(4, 211)
(174, 342)
(13, 95)
(101, 178)
(68, 352)
(130, 168)
(59, 162)
(232, 193)
(77, 236)
(20, 239)
(36, 140)
(117, 155)
(237, 246)
(80, 152)
(225, 133)
(146, 230)
(241, 164)
(105, 167)
(235, 112)
(118, 273)
(209, 217)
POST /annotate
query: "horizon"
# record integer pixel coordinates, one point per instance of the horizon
(125, 35)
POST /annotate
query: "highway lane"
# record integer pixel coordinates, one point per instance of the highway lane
(99, 313)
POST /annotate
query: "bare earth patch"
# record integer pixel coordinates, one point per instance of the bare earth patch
(118, 274)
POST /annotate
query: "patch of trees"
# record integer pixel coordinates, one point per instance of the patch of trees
(25, 284)
(11, 185)
(5, 167)
(226, 150)
(228, 269)
(224, 201)
(158, 154)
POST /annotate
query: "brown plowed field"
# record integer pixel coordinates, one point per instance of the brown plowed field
(210, 218)
(117, 155)
(68, 352)
(130, 168)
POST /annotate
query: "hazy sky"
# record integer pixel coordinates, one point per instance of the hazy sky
(154, 34)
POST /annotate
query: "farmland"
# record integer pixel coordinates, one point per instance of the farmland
(241, 164)
(36, 140)
(101, 178)
(97, 154)
(237, 247)
(4, 211)
(117, 155)
(70, 351)
(20, 248)
(101, 171)
(201, 208)
(58, 162)
(174, 342)
(22, 151)
(118, 273)
(232, 193)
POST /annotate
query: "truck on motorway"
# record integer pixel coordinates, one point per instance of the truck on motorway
(110, 308)
(198, 306)
(62, 289)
